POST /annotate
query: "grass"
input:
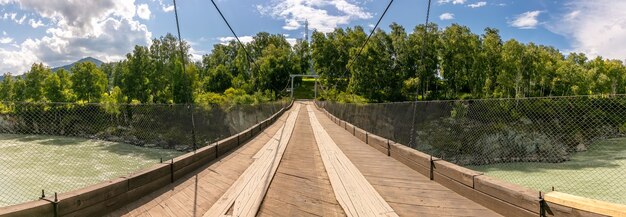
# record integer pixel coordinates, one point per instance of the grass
(30, 163)
(599, 173)
(306, 89)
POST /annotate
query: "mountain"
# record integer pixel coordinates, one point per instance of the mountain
(87, 59)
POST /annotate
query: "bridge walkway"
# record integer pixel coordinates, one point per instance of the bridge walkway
(323, 170)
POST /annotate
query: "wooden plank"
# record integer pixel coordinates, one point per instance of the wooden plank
(145, 189)
(245, 195)
(586, 204)
(149, 175)
(353, 192)
(34, 208)
(226, 145)
(198, 162)
(183, 160)
(207, 150)
(301, 186)
(88, 196)
(360, 134)
(411, 163)
(157, 197)
(350, 128)
(378, 142)
(455, 172)
(407, 191)
(411, 154)
(556, 210)
(99, 209)
(495, 204)
(514, 194)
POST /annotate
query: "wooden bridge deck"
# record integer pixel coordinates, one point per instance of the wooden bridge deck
(304, 165)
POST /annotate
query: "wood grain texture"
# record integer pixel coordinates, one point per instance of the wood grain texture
(355, 194)
(586, 204)
(244, 196)
(194, 194)
(408, 192)
(301, 186)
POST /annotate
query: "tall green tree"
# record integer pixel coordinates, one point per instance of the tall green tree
(34, 81)
(89, 82)
(7, 88)
(58, 87)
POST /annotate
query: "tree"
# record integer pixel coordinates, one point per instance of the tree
(89, 82)
(135, 78)
(423, 46)
(302, 57)
(7, 88)
(372, 72)
(218, 80)
(511, 77)
(492, 52)
(275, 66)
(58, 87)
(458, 49)
(34, 81)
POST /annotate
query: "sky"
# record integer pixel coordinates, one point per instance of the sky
(58, 32)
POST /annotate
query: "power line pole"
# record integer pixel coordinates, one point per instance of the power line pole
(306, 30)
(310, 56)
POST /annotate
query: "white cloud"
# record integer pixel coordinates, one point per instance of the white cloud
(296, 12)
(244, 39)
(104, 29)
(446, 16)
(597, 28)
(527, 20)
(477, 4)
(456, 2)
(165, 7)
(168, 8)
(6, 40)
(291, 41)
(35, 24)
(143, 11)
(13, 17)
(572, 15)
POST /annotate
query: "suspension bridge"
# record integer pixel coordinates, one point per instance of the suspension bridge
(304, 161)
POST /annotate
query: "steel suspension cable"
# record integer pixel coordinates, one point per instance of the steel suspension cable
(188, 99)
(180, 44)
(235, 34)
(412, 142)
(368, 38)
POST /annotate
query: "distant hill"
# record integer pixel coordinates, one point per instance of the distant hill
(87, 59)
(68, 67)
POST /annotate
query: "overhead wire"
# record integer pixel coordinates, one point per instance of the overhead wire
(235, 34)
(413, 135)
(188, 98)
(180, 42)
(350, 63)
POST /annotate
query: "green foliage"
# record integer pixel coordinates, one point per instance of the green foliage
(111, 101)
(58, 87)
(218, 80)
(7, 88)
(35, 82)
(89, 82)
(432, 62)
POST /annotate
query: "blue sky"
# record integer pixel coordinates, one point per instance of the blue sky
(57, 32)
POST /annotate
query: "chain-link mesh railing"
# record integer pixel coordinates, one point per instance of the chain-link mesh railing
(575, 144)
(59, 147)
